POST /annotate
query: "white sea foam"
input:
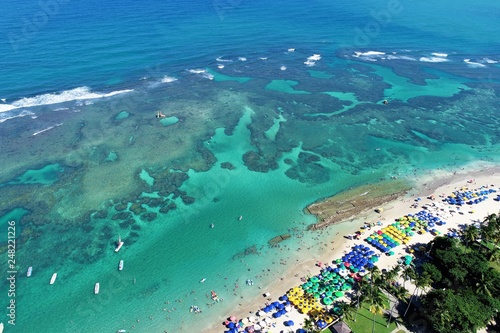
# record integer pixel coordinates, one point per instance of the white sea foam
(311, 61)
(80, 93)
(219, 59)
(433, 59)
(490, 61)
(291, 50)
(6, 107)
(23, 113)
(242, 59)
(197, 71)
(201, 72)
(441, 55)
(283, 68)
(263, 58)
(368, 54)
(46, 129)
(168, 79)
(400, 57)
(220, 66)
(315, 57)
(473, 64)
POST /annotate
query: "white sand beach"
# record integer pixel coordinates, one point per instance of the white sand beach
(437, 186)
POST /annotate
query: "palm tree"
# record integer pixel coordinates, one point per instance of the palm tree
(483, 285)
(347, 310)
(493, 254)
(376, 301)
(392, 274)
(421, 282)
(409, 274)
(308, 325)
(490, 227)
(361, 292)
(400, 293)
(471, 233)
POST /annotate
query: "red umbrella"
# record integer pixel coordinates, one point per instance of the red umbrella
(232, 318)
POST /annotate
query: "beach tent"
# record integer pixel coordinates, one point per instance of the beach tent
(340, 327)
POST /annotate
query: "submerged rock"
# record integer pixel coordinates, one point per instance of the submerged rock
(149, 216)
(278, 239)
(227, 165)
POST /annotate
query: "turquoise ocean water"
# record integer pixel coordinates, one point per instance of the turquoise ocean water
(270, 106)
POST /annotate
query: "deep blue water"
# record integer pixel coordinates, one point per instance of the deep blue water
(50, 46)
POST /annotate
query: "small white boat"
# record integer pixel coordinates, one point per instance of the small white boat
(1, 327)
(30, 270)
(96, 288)
(120, 265)
(119, 244)
(240, 218)
(53, 278)
(203, 280)
(121, 331)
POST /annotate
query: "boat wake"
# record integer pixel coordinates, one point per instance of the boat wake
(47, 129)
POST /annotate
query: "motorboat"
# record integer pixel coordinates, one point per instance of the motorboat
(96, 288)
(120, 265)
(53, 278)
(119, 244)
(30, 270)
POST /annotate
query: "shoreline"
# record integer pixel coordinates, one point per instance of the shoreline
(434, 182)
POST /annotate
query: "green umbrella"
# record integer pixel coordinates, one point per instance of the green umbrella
(327, 301)
(347, 286)
(339, 294)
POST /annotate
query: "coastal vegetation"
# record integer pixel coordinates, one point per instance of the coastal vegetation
(455, 287)
(465, 280)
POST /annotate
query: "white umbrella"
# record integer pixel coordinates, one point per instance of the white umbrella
(262, 323)
(288, 308)
(251, 319)
(257, 327)
(244, 321)
(260, 313)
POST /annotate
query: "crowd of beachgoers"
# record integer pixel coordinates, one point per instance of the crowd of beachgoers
(400, 230)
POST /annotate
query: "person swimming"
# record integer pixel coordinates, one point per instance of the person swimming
(160, 115)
